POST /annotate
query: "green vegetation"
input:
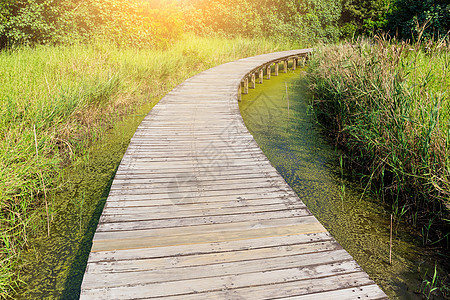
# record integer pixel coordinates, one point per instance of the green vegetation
(388, 105)
(126, 23)
(155, 23)
(62, 99)
(307, 21)
(410, 18)
(70, 69)
(363, 16)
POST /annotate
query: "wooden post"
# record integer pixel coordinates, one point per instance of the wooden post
(253, 81)
(390, 244)
(261, 75)
(276, 69)
(294, 63)
(269, 70)
(245, 85)
(240, 92)
(286, 64)
(303, 61)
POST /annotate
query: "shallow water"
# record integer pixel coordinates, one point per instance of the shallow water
(53, 268)
(277, 115)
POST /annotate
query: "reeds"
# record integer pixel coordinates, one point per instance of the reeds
(55, 101)
(387, 104)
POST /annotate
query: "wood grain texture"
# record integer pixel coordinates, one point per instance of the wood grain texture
(196, 211)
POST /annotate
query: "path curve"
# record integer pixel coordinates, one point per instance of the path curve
(196, 210)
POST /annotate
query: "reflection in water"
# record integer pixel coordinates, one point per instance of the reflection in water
(276, 113)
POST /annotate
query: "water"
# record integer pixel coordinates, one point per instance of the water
(53, 267)
(277, 115)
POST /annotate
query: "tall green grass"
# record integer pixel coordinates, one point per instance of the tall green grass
(55, 101)
(388, 105)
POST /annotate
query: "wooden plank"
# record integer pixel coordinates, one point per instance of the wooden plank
(140, 263)
(207, 228)
(204, 202)
(360, 288)
(186, 183)
(173, 190)
(302, 266)
(272, 284)
(159, 213)
(208, 248)
(211, 195)
(202, 238)
(134, 222)
(371, 291)
(140, 179)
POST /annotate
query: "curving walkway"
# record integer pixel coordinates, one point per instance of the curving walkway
(196, 211)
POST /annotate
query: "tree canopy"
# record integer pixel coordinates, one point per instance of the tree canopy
(409, 17)
(143, 23)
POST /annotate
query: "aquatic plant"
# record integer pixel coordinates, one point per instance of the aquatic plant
(387, 104)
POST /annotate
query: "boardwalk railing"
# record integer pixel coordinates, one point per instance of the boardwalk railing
(250, 77)
(196, 211)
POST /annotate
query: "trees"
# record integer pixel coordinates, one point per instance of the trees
(126, 22)
(363, 16)
(409, 16)
(25, 21)
(306, 21)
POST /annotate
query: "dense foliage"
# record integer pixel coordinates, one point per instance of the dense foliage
(305, 21)
(404, 19)
(363, 16)
(144, 23)
(125, 22)
(410, 17)
(157, 22)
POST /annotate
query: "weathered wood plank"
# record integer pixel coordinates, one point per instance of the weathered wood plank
(193, 239)
(140, 263)
(132, 222)
(208, 248)
(207, 228)
(268, 285)
(159, 213)
(301, 266)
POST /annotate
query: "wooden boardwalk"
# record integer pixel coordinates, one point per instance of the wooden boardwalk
(196, 211)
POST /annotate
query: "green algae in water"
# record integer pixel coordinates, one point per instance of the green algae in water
(54, 266)
(276, 114)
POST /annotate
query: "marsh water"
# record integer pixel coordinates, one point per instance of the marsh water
(278, 116)
(276, 113)
(54, 266)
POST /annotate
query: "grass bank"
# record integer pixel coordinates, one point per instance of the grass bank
(56, 101)
(387, 105)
